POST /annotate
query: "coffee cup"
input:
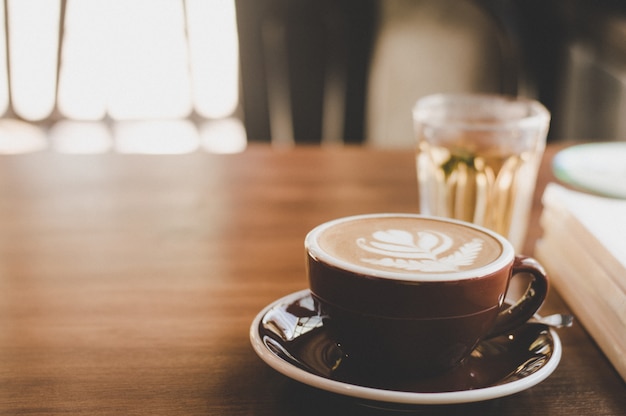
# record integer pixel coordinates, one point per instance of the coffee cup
(414, 294)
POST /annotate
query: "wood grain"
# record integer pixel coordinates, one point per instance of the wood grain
(128, 283)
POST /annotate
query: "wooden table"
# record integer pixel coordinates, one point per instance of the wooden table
(128, 283)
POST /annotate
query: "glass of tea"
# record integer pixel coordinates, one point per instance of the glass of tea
(478, 156)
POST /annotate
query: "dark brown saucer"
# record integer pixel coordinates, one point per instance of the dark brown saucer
(290, 336)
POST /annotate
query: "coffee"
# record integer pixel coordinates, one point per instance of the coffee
(408, 247)
(407, 293)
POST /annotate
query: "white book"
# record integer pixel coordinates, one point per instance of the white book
(587, 304)
(583, 248)
(587, 273)
(597, 223)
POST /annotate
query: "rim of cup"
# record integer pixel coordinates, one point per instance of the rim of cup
(313, 249)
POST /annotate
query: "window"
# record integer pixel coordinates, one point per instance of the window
(140, 76)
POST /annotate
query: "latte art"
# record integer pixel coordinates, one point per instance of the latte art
(428, 252)
(406, 246)
(401, 243)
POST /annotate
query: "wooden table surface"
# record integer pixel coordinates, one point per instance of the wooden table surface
(128, 283)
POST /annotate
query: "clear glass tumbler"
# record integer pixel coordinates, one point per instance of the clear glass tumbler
(478, 157)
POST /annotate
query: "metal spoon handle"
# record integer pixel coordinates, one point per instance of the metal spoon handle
(558, 320)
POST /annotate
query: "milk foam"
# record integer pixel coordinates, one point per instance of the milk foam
(409, 247)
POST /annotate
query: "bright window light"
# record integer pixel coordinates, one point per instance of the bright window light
(80, 137)
(20, 137)
(156, 137)
(214, 50)
(33, 36)
(223, 136)
(139, 70)
(85, 73)
(124, 61)
(4, 80)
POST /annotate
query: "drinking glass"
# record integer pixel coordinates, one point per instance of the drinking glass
(478, 157)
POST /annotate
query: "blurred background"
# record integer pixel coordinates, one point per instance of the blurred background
(176, 76)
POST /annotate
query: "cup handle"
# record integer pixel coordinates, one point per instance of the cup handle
(516, 315)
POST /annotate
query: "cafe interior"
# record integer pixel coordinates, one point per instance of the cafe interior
(308, 72)
(367, 59)
(162, 161)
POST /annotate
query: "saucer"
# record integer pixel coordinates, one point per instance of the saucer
(594, 167)
(289, 335)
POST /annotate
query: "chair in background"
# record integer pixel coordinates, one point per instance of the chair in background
(304, 68)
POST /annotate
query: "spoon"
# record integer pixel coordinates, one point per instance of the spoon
(558, 320)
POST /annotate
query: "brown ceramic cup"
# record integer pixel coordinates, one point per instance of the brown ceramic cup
(404, 293)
